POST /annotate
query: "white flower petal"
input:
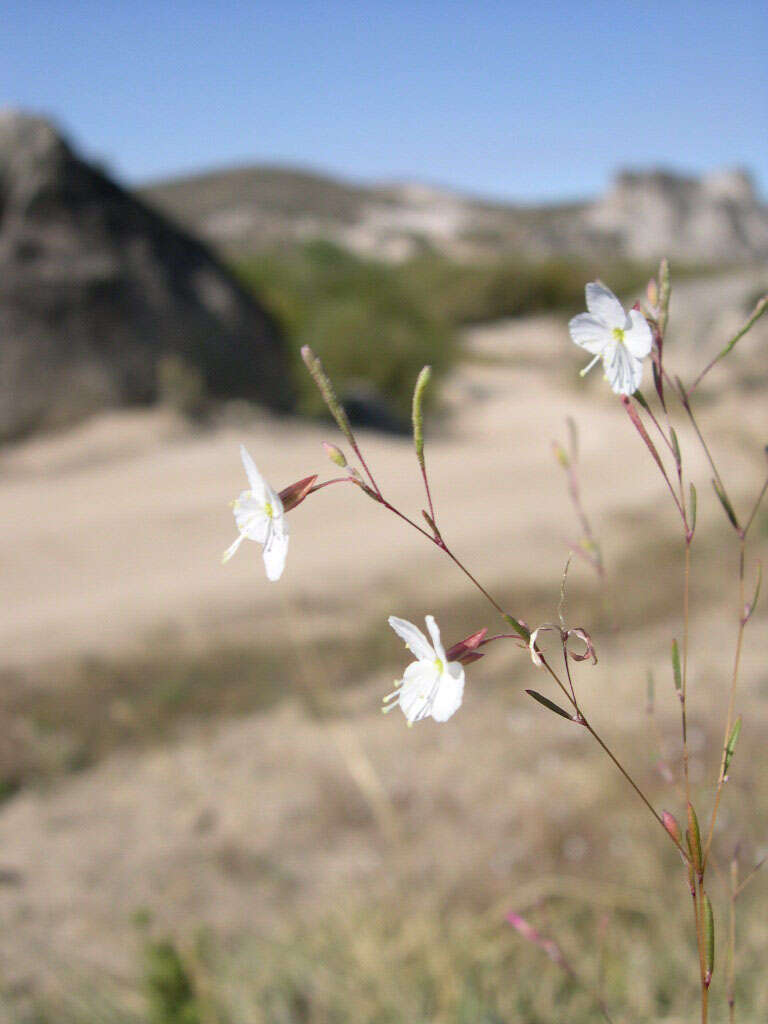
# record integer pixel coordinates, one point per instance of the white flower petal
(638, 337)
(232, 548)
(623, 370)
(275, 551)
(418, 691)
(251, 517)
(255, 479)
(414, 639)
(590, 333)
(450, 692)
(603, 304)
(434, 632)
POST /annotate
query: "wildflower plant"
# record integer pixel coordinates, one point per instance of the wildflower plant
(433, 684)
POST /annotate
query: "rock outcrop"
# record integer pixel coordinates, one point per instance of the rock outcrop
(97, 289)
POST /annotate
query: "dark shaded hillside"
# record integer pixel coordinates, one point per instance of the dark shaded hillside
(97, 291)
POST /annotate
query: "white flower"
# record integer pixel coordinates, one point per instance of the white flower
(622, 339)
(259, 516)
(431, 685)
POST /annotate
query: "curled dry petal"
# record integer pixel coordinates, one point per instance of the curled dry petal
(536, 657)
(586, 639)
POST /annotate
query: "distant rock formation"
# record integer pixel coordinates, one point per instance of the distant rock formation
(96, 289)
(712, 219)
(644, 215)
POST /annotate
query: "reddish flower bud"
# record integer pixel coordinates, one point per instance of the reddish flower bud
(294, 494)
(672, 826)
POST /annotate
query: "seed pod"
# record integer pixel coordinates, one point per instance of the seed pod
(725, 501)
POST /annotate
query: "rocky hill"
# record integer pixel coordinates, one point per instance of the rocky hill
(97, 290)
(644, 215)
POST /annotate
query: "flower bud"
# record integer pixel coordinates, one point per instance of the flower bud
(294, 494)
(672, 826)
(709, 939)
(335, 454)
(652, 293)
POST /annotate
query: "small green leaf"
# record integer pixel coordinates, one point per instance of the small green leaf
(676, 666)
(694, 502)
(550, 704)
(518, 627)
(726, 503)
(730, 746)
(418, 413)
(639, 398)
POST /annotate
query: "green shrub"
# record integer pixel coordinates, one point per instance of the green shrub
(371, 329)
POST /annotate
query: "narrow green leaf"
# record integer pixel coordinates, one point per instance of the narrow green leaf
(694, 502)
(550, 704)
(676, 666)
(650, 693)
(518, 627)
(418, 413)
(640, 399)
(749, 610)
(730, 746)
(675, 446)
(709, 939)
(726, 503)
(326, 389)
(694, 839)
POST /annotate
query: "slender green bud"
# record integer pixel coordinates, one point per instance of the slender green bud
(418, 412)
(676, 666)
(693, 509)
(326, 389)
(335, 454)
(730, 747)
(694, 840)
(709, 938)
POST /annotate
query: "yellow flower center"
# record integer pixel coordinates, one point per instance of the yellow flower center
(269, 510)
(439, 665)
(618, 334)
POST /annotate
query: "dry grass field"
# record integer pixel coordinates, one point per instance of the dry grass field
(207, 818)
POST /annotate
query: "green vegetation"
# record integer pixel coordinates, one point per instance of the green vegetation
(371, 330)
(375, 324)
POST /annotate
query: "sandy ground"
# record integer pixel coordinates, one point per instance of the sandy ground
(113, 532)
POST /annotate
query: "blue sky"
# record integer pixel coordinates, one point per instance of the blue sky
(519, 100)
